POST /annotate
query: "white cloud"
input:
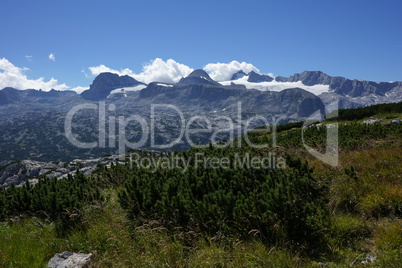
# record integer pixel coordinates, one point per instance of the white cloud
(79, 90)
(85, 73)
(224, 71)
(52, 57)
(29, 58)
(168, 71)
(156, 70)
(13, 76)
(96, 70)
(272, 75)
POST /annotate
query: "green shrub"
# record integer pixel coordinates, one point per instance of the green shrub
(56, 200)
(275, 203)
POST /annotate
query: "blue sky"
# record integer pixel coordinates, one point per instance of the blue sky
(354, 39)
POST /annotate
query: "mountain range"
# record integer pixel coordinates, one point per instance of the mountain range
(32, 121)
(353, 93)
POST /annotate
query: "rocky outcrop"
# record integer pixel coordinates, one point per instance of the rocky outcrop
(369, 259)
(19, 171)
(104, 83)
(70, 260)
(372, 121)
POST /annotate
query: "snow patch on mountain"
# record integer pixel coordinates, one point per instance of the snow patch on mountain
(164, 85)
(277, 86)
(127, 89)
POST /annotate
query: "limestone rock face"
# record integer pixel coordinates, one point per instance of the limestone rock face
(70, 260)
(19, 171)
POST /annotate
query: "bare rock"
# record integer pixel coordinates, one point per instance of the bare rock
(372, 121)
(368, 259)
(70, 260)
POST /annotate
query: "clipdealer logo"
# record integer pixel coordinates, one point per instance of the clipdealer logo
(112, 130)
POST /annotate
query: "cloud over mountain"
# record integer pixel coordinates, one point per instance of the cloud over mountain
(170, 71)
(224, 71)
(157, 70)
(13, 76)
(96, 70)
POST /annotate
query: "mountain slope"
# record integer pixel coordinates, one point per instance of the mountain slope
(33, 122)
(209, 95)
(341, 85)
(35, 129)
(104, 83)
(9, 95)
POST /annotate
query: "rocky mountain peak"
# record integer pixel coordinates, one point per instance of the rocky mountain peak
(198, 77)
(9, 95)
(257, 78)
(238, 75)
(104, 83)
(9, 90)
(199, 73)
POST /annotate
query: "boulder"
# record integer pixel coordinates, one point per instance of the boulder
(70, 260)
(368, 259)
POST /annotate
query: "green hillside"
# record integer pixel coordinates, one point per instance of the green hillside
(236, 206)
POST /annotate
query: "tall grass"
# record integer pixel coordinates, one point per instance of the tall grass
(114, 243)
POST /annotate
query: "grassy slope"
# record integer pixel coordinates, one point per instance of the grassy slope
(115, 244)
(359, 226)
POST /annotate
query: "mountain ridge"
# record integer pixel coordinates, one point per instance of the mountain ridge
(33, 121)
(342, 85)
(339, 86)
